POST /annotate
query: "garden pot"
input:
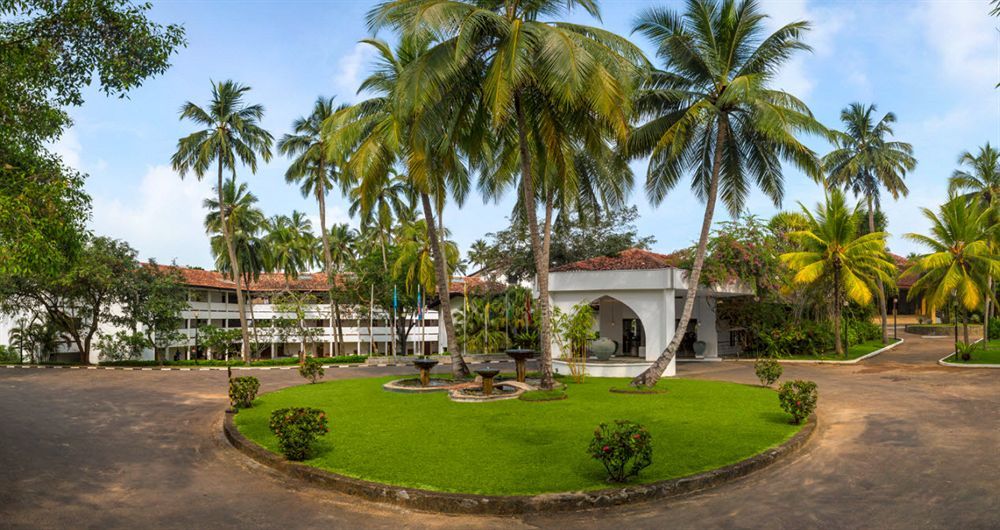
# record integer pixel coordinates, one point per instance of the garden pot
(966, 356)
(603, 348)
(699, 347)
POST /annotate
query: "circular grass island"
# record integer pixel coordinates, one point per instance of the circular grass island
(520, 448)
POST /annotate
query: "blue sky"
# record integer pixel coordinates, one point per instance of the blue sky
(933, 63)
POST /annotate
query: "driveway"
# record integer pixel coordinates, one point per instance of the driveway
(901, 443)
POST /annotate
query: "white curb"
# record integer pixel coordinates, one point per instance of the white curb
(852, 361)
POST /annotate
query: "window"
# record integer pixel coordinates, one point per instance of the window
(232, 298)
(233, 323)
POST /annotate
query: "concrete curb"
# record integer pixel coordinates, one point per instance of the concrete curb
(207, 368)
(459, 503)
(943, 362)
(852, 361)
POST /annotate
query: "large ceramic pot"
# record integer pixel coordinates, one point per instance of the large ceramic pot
(699, 347)
(603, 348)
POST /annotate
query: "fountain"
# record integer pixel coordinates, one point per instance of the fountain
(520, 357)
(425, 364)
(488, 375)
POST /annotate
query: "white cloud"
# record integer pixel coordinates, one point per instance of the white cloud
(350, 68)
(964, 39)
(68, 148)
(162, 218)
(826, 23)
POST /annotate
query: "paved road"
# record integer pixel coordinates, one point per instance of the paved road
(902, 443)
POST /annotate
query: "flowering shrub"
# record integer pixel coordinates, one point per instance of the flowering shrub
(804, 337)
(242, 391)
(312, 369)
(859, 331)
(798, 398)
(624, 448)
(297, 428)
(767, 369)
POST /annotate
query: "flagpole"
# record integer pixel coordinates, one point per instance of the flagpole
(371, 323)
(395, 301)
(465, 318)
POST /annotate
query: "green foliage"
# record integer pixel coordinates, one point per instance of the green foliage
(242, 391)
(804, 337)
(9, 355)
(625, 448)
(862, 331)
(964, 351)
(283, 361)
(573, 330)
(311, 368)
(798, 398)
(768, 370)
(994, 328)
(746, 250)
(222, 342)
(122, 346)
(297, 428)
(543, 395)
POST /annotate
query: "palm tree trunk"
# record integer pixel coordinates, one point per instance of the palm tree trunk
(883, 309)
(327, 256)
(986, 313)
(235, 266)
(838, 346)
(458, 367)
(541, 257)
(965, 325)
(652, 374)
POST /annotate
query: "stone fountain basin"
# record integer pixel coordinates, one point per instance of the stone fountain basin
(413, 385)
(520, 354)
(488, 373)
(425, 364)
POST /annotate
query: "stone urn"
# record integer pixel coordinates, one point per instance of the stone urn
(699, 347)
(603, 348)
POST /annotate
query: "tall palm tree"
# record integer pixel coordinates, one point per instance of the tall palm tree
(864, 161)
(961, 262)
(416, 256)
(230, 133)
(311, 169)
(292, 244)
(711, 112)
(831, 251)
(524, 72)
(380, 200)
(342, 253)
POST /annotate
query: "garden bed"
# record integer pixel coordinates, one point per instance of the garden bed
(854, 351)
(517, 448)
(980, 356)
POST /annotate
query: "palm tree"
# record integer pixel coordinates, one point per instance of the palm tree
(961, 262)
(521, 73)
(711, 112)
(342, 253)
(292, 244)
(230, 133)
(479, 253)
(864, 161)
(378, 201)
(416, 256)
(831, 251)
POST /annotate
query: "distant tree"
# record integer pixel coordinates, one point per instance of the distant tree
(292, 244)
(153, 303)
(291, 323)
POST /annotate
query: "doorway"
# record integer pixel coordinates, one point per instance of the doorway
(633, 337)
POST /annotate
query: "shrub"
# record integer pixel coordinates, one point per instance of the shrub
(798, 398)
(994, 328)
(859, 331)
(296, 429)
(803, 337)
(964, 351)
(312, 369)
(624, 448)
(768, 370)
(242, 391)
(9, 355)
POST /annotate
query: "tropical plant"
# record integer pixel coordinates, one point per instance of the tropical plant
(297, 429)
(415, 262)
(768, 370)
(832, 253)
(230, 133)
(961, 262)
(864, 161)
(711, 112)
(311, 368)
(242, 391)
(625, 448)
(574, 329)
(292, 244)
(379, 201)
(798, 398)
(343, 240)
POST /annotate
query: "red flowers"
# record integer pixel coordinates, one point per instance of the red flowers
(605, 449)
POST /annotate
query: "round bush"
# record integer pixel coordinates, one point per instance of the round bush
(798, 398)
(768, 370)
(624, 448)
(242, 391)
(296, 429)
(312, 369)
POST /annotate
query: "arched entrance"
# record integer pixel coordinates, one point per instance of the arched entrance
(619, 322)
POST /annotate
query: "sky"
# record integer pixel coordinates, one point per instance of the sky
(934, 63)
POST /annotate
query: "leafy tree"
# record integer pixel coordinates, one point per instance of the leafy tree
(831, 251)
(712, 113)
(745, 250)
(220, 342)
(155, 299)
(122, 345)
(864, 161)
(292, 323)
(961, 262)
(230, 133)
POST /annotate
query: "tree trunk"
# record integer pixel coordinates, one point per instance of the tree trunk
(882, 305)
(965, 325)
(458, 367)
(339, 338)
(986, 313)
(838, 346)
(652, 374)
(235, 266)
(327, 255)
(541, 258)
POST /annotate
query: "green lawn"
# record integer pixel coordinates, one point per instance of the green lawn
(853, 352)
(518, 447)
(991, 355)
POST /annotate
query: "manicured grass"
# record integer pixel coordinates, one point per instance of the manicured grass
(853, 352)
(990, 355)
(514, 447)
(543, 395)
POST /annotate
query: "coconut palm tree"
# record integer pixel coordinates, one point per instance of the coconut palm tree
(230, 133)
(864, 161)
(343, 240)
(961, 262)
(523, 72)
(711, 112)
(384, 198)
(292, 244)
(831, 251)
(416, 256)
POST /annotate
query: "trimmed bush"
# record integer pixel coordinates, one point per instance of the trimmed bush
(296, 429)
(768, 370)
(859, 331)
(624, 448)
(311, 369)
(798, 398)
(242, 391)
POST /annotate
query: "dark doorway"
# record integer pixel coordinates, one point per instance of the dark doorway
(686, 349)
(633, 336)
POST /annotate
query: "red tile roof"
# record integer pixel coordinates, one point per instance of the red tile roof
(474, 284)
(314, 281)
(626, 260)
(903, 281)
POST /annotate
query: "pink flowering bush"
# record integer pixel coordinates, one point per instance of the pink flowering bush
(798, 398)
(296, 429)
(624, 448)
